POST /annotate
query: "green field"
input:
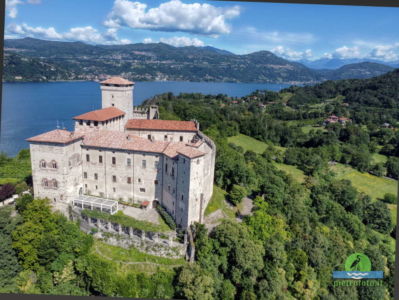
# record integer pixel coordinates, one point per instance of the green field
(374, 186)
(249, 143)
(218, 202)
(379, 158)
(292, 170)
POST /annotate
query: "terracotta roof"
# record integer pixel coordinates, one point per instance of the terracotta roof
(161, 125)
(190, 152)
(117, 80)
(121, 140)
(101, 114)
(58, 136)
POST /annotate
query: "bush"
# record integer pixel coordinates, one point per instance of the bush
(22, 202)
(237, 193)
(389, 198)
(166, 217)
(21, 187)
(6, 191)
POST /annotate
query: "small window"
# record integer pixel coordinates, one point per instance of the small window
(128, 162)
(184, 160)
(113, 160)
(165, 138)
(113, 104)
(42, 164)
(95, 123)
(182, 197)
(198, 161)
(45, 182)
(88, 123)
(129, 180)
(100, 159)
(169, 188)
(85, 186)
(166, 168)
(114, 189)
(173, 172)
(149, 137)
(139, 180)
(156, 181)
(95, 176)
(55, 183)
(80, 122)
(113, 178)
(144, 163)
(112, 96)
(181, 139)
(85, 175)
(54, 164)
(142, 190)
(87, 157)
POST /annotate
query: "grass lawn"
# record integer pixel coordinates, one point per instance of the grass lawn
(249, 143)
(379, 158)
(307, 128)
(218, 202)
(132, 260)
(374, 186)
(292, 170)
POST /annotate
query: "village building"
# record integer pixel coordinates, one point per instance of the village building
(123, 153)
(334, 119)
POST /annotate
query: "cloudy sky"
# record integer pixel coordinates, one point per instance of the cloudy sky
(291, 31)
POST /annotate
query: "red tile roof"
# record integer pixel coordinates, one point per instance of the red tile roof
(117, 80)
(190, 152)
(161, 125)
(101, 114)
(58, 136)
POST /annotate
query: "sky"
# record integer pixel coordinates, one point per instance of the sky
(292, 31)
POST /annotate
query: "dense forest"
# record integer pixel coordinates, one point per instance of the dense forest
(299, 231)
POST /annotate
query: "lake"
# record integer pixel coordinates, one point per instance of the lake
(30, 109)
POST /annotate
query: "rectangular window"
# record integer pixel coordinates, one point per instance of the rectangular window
(181, 139)
(144, 163)
(166, 168)
(129, 162)
(156, 164)
(100, 159)
(149, 137)
(80, 122)
(165, 138)
(139, 179)
(113, 160)
(87, 157)
(85, 175)
(113, 178)
(142, 190)
(156, 181)
(129, 180)
(114, 189)
(95, 123)
(95, 176)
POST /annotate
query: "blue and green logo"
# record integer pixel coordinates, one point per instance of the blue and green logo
(358, 266)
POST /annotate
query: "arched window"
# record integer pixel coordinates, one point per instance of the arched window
(45, 182)
(55, 183)
(53, 164)
(42, 163)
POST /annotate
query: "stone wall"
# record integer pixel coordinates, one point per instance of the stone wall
(155, 243)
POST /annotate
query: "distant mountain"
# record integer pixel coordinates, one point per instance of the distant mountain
(159, 61)
(335, 63)
(358, 70)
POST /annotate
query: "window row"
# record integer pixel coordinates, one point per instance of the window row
(142, 190)
(95, 123)
(50, 183)
(128, 161)
(52, 164)
(114, 179)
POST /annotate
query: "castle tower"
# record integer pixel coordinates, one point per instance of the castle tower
(118, 92)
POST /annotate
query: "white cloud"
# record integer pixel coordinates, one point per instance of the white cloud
(12, 6)
(86, 34)
(278, 37)
(385, 52)
(292, 54)
(182, 41)
(347, 52)
(173, 15)
(177, 41)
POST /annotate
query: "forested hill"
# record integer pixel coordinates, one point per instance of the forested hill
(379, 92)
(158, 61)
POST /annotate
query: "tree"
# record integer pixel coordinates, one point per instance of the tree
(194, 284)
(6, 191)
(237, 193)
(378, 217)
(390, 198)
(393, 167)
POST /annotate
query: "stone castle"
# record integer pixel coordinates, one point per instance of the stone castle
(123, 153)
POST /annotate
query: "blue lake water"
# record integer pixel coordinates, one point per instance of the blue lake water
(30, 109)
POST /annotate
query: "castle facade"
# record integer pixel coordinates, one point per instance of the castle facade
(123, 153)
